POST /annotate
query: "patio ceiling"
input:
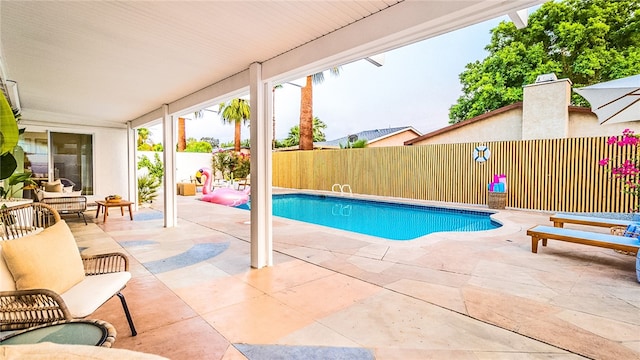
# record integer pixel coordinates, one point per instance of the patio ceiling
(107, 63)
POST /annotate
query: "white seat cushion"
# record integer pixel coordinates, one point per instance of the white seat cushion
(87, 296)
(41, 194)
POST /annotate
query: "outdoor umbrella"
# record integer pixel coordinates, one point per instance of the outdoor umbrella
(614, 101)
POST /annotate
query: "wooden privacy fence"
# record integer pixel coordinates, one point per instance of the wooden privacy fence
(548, 174)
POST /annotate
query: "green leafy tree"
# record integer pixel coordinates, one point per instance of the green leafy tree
(155, 168)
(223, 162)
(237, 112)
(194, 145)
(586, 41)
(307, 134)
(241, 166)
(213, 141)
(144, 139)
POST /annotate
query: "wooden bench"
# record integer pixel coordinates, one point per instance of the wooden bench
(560, 219)
(541, 232)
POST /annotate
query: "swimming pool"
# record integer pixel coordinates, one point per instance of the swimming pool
(387, 220)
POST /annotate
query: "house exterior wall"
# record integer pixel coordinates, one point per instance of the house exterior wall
(395, 140)
(544, 114)
(544, 110)
(503, 126)
(585, 124)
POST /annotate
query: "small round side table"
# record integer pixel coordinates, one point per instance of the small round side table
(76, 331)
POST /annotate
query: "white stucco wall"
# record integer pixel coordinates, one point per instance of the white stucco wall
(109, 156)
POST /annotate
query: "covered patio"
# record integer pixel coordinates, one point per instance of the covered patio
(106, 68)
(336, 294)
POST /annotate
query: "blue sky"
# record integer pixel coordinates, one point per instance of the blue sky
(415, 87)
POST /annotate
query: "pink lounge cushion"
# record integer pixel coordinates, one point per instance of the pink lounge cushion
(47, 260)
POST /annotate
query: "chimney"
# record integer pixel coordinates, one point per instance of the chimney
(545, 108)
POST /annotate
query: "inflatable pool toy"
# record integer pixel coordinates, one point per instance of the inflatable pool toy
(222, 196)
(227, 197)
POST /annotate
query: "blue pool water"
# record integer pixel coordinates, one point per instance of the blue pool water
(377, 218)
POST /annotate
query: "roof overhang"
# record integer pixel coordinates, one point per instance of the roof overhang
(108, 63)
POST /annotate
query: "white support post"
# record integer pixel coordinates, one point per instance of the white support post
(261, 179)
(169, 158)
(132, 187)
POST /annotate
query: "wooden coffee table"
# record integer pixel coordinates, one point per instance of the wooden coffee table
(105, 205)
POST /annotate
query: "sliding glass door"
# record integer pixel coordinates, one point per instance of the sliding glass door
(72, 159)
(64, 156)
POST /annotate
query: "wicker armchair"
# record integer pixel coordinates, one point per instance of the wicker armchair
(105, 276)
(21, 220)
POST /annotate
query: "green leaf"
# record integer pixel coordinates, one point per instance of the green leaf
(8, 165)
(19, 178)
(8, 127)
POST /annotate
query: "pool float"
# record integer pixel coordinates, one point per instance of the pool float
(481, 153)
(222, 196)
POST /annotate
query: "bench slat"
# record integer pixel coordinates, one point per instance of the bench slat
(560, 219)
(541, 232)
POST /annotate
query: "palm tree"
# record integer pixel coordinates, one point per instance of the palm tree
(236, 111)
(182, 136)
(306, 108)
(318, 129)
(294, 133)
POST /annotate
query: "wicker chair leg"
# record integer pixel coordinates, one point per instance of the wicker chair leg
(127, 314)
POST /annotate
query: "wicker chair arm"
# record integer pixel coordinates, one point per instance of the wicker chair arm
(105, 263)
(23, 309)
(47, 209)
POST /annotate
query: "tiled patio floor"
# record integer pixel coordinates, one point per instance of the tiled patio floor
(339, 295)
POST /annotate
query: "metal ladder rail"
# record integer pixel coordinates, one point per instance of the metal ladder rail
(341, 188)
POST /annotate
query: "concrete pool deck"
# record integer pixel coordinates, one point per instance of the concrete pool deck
(335, 294)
